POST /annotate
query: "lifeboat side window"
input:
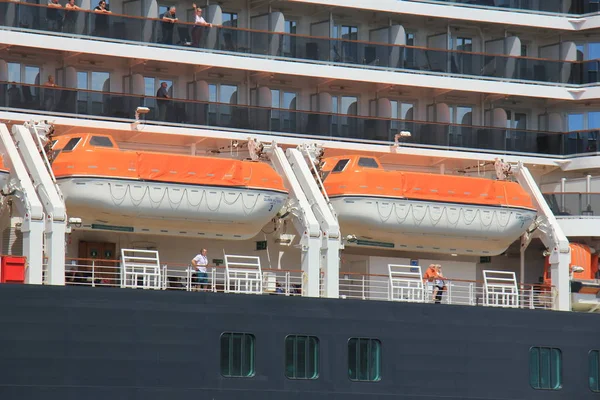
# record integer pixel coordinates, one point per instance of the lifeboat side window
(339, 167)
(71, 144)
(367, 162)
(101, 141)
(53, 143)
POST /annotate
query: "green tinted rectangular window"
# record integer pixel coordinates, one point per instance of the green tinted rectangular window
(364, 360)
(594, 370)
(237, 354)
(301, 357)
(545, 368)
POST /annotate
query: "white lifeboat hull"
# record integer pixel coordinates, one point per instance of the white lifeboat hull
(431, 226)
(170, 209)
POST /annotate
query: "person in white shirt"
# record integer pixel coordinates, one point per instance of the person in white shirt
(199, 23)
(199, 263)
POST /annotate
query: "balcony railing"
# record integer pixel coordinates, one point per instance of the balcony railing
(574, 204)
(545, 6)
(295, 47)
(14, 96)
(176, 276)
(66, 101)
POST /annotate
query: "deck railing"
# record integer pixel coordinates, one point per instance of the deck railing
(458, 291)
(68, 101)
(177, 276)
(155, 32)
(567, 204)
(572, 7)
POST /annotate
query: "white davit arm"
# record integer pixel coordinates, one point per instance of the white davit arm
(551, 234)
(327, 218)
(308, 224)
(33, 155)
(28, 205)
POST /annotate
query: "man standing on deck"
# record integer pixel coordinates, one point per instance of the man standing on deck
(199, 263)
(162, 95)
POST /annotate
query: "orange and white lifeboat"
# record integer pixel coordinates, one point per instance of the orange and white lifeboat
(425, 212)
(166, 194)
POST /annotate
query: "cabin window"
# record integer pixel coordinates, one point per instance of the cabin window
(237, 355)
(594, 370)
(545, 368)
(72, 143)
(339, 167)
(364, 360)
(301, 357)
(367, 162)
(101, 141)
(53, 143)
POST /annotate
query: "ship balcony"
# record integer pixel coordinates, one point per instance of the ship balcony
(572, 7)
(578, 214)
(174, 276)
(386, 50)
(25, 98)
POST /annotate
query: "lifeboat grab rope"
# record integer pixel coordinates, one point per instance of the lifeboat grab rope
(158, 202)
(381, 216)
(414, 212)
(396, 207)
(494, 220)
(432, 218)
(116, 200)
(248, 208)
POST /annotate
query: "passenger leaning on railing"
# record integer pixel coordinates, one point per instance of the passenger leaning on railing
(70, 17)
(199, 24)
(101, 22)
(54, 16)
(169, 19)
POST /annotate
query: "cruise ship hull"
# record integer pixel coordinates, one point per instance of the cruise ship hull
(82, 343)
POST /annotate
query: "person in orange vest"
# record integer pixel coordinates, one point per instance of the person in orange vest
(435, 280)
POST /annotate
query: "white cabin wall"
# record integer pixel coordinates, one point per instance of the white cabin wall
(461, 268)
(181, 249)
(534, 265)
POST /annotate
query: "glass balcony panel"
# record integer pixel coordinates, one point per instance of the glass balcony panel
(285, 121)
(182, 34)
(546, 6)
(574, 204)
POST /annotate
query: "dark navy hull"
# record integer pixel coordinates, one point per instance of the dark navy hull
(81, 343)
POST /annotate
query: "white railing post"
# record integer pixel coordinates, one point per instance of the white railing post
(188, 279)
(364, 297)
(531, 298)
(214, 280)
(472, 294)
(93, 273)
